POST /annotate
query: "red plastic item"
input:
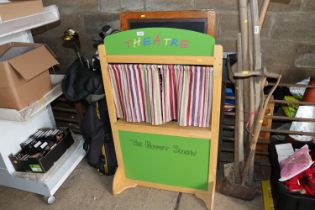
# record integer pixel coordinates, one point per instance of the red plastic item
(309, 95)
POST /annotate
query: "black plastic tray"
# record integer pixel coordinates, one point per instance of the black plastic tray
(43, 164)
(283, 199)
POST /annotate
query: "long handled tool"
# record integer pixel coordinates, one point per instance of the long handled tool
(239, 176)
(239, 118)
(248, 170)
(264, 9)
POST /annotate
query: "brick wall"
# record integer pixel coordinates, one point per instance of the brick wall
(288, 35)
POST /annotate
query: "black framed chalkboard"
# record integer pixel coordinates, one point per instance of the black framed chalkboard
(198, 25)
(202, 21)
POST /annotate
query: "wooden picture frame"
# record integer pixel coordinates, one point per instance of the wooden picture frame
(205, 17)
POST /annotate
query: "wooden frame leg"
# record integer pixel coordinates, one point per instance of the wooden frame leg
(120, 183)
(208, 196)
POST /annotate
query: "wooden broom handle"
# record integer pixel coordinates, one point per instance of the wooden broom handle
(263, 12)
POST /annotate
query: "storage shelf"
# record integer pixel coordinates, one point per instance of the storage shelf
(17, 125)
(11, 27)
(61, 168)
(171, 128)
(46, 183)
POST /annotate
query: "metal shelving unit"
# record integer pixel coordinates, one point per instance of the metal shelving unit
(16, 126)
(20, 29)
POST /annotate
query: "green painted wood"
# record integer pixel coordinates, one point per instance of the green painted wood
(160, 41)
(165, 159)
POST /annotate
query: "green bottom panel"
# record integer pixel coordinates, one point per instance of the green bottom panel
(167, 160)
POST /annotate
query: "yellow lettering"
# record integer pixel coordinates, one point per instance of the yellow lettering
(166, 41)
(128, 43)
(136, 42)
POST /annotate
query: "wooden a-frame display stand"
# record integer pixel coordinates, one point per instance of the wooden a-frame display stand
(168, 156)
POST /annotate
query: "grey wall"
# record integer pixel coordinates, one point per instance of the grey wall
(288, 36)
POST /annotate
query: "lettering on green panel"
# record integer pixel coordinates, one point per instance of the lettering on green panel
(176, 149)
(159, 41)
(164, 159)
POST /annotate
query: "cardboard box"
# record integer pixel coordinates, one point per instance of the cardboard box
(24, 73)
(33, 109)
(16, 9)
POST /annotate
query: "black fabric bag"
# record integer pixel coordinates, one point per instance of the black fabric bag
(108, 163)
(99, 141)
(83, 82)
(80, 82)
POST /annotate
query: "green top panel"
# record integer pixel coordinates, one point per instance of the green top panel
(159, 41)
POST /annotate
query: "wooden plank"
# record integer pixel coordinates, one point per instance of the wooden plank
(192, 60)
(228, 127)
(215, 127)
(256, 35)
(288, 132)
(66, 119)
(283, 118)
(229, 113)
(291, 85)
(119, 183)
(231, 139)
(62, 109)
(231, 150)
(230, 97)
(263, 12)
(166, 187)
(265, 136)
(305, 103)
(171, 128)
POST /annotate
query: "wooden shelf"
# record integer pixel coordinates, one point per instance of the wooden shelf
(171, 128)
(182, 60)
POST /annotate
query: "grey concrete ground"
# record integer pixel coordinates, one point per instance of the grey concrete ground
(86, 190)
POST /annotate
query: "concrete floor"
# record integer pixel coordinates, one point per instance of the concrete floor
(86, 190)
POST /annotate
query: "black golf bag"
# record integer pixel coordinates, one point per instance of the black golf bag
(83, 83)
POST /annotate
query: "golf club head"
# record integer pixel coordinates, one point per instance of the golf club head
(105, 31)
(71, 38)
